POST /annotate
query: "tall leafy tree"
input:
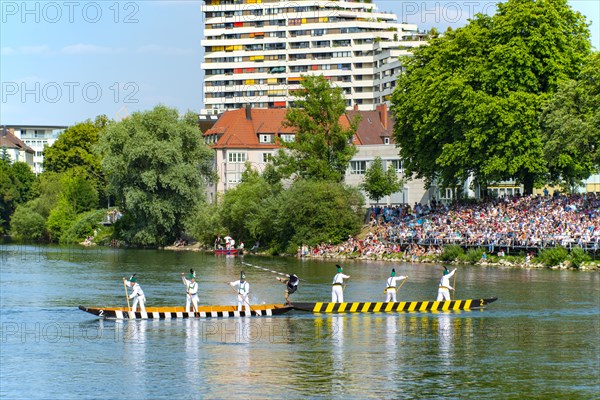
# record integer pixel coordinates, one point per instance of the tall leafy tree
(378, 182)
(246, 209)
(323, 147)
(75, 148)
(469, 104)
(158, 165)
(314, 212)
(571, 125)
(16, 182)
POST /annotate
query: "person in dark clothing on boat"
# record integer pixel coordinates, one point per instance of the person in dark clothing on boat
(291, 285)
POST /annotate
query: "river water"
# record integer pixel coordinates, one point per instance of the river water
(539, 340)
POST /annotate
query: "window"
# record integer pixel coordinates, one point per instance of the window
(239, 158)
(265, 138)
(358, 167)
(267, 157)
(386, 140)
(287, 138)
(233, 177)
(397, 164)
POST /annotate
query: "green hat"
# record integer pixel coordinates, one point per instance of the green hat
(242, 276)
(393, 272)
(446, 272)
(132, 279)
(339, 267)
(192, 274)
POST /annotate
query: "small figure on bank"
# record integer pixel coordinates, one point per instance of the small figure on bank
(291, 285)
(243, 291)
(191, 287)
(337, 288)
(390, 290)
(444, 287)
(137, 294)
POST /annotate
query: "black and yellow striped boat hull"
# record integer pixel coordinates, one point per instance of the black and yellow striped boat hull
(402, 306)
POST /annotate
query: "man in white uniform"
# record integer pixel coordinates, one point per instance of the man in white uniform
(337, 288)
(390, 290)
(137, 294)
(444, 287)
(192, 291)
(243, 291)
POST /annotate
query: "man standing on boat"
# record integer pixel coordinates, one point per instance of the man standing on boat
(137, 294)
(390, 290)
(192, 291)
(243, 291)
(337, 288)
(291, 285)
(444, 287)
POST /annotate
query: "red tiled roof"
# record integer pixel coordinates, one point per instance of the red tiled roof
(237, 131)
(10, 141)
(371, 129)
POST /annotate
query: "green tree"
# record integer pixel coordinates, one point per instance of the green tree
(16, 182)
(78, 191)
(75, 148)
(469, 104)
(379, 182)
(245, 210)
(157, 165)
(323, 147)
(27, 224)
(315, 212)
(571, 125)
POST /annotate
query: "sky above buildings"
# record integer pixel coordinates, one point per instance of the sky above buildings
(65, 62)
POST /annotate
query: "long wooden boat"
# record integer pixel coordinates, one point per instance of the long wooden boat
(402, 306)
(257, 310)
(225, 252)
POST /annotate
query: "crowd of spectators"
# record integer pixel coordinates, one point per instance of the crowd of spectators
(519, 222)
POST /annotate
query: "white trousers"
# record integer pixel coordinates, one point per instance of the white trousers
(390, 295)
(337, 294)
(243, 301)
(142, 301)
(191, 298)
(443, 294)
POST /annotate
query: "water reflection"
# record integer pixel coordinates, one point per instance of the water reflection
(134, 347)
(445, 339)
(192, 349)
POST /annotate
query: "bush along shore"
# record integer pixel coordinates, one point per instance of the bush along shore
(553, 258)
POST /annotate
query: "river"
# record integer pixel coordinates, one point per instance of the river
(539, 340)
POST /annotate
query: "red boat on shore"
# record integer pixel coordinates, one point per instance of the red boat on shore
(230, 252)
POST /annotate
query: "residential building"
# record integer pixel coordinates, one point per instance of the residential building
(37, 137)
(15, 148)
(248, 135)
(256, 51)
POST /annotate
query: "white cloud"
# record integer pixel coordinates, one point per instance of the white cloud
(168, 51)
(87, 49)
(7, 51)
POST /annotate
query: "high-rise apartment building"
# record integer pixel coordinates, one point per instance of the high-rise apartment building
(256, 51)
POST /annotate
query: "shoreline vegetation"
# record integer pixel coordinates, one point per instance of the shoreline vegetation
(557, 258)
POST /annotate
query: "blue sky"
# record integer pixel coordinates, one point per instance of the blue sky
(63, 62)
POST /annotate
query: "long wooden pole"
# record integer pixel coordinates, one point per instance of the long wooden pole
(403, 282)
(126, 294)
(243, 297)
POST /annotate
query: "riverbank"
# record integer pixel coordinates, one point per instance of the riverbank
(440, 257)
(506, 261)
